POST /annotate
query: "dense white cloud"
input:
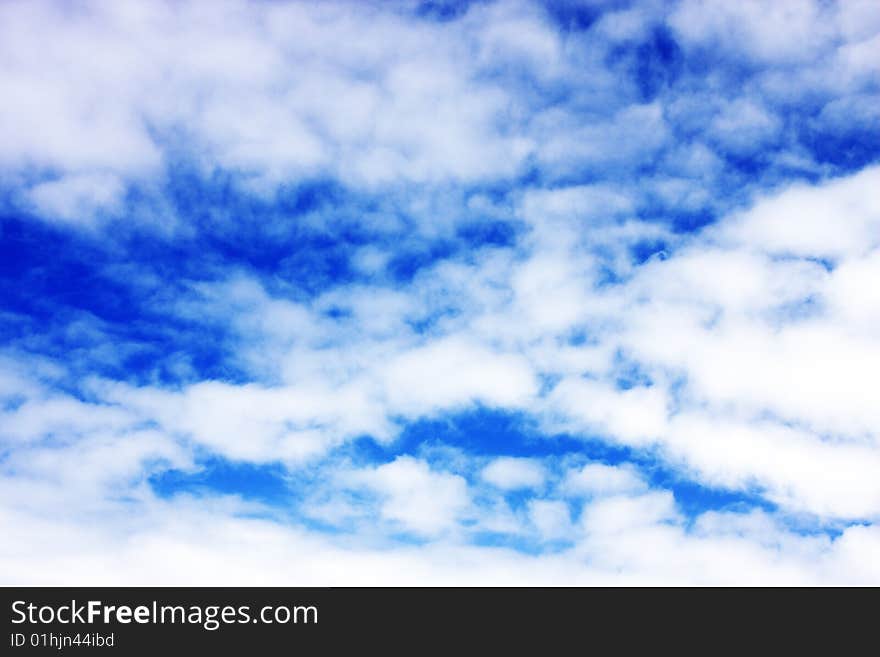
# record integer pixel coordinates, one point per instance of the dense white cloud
(511, 473)
(76, 196)
(840, 219)
(595, 479)
(421, 500)
(448, 373)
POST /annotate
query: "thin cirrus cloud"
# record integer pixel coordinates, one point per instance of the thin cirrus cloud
(495, 292)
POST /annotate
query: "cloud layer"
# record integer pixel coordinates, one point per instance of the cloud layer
(500, 292)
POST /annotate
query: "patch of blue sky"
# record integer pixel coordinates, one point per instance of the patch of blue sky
(521, 543)
(443, 10)
(628, 373)
(652, 65)
(62, 296)
(847, 148)
(572, 16)
(644, 250)
(213, 475)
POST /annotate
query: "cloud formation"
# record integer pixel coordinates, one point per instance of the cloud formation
(499, 292)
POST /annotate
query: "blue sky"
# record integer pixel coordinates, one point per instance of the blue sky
(568, 292)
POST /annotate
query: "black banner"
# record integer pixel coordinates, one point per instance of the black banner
(151, 621)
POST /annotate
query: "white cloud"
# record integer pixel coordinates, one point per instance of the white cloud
(596, 479)
(77, 196)
(511, 473)
(258, 424)
(743, 356)
(255, 90)
(552, 518)
(421, 500)
(762, 360)
(181, 540)
(636, 416)
(839, 219)
(449, 373)
(751, 28)
(797, 469)
(618, 514)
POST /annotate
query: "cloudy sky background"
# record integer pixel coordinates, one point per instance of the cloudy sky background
(439, 293)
